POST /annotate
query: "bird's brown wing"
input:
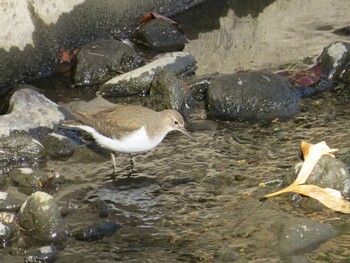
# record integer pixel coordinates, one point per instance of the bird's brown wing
(115, 122)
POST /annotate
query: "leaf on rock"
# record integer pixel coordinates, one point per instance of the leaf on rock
(329, 197)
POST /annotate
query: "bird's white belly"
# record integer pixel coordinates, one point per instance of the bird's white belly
(136, 142)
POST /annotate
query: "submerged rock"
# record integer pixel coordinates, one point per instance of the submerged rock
(9, 203)
(57, 145)
(138, 81)
(159, 35)
(170, 92)
(27, 177)
(297, 234)
(39, 216)
(20, 146)
(29, 110)
(97, 230)
(45, 254)
(251, 96)
(100, 60)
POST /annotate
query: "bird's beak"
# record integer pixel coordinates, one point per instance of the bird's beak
(184, 131)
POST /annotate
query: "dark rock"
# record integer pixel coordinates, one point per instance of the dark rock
(45, 254)
(199, 85)
(26, 103)
(298, 234)
(39, 216)
(343, 31)
(27, 177)
(159, 35)
(169, 92)
(252, 96)
(334, 60)
(67, 209)
(97, 230)
(57, 145)
(101, 60)
(138, 82)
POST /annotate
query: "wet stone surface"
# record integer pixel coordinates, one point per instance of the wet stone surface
(101, 60)
(252, 96)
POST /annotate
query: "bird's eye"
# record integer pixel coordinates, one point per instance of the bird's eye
(176, 122)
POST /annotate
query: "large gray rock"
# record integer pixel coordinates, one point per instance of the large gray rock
(101, 60)
(138, 81)
(252, 96)
(39, 216)
(29, 110)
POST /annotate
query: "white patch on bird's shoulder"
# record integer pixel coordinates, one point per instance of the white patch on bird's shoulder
(136, 142)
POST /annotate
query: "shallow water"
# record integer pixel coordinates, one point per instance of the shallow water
(199, 201)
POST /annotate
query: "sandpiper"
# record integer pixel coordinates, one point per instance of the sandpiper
(128, 129)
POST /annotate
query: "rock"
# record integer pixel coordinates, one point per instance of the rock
(57, 145)
(7, 232)
(138, 81)
(169, 92)
(39, 216)
(8, 228)
(343, 31)
(298, 234)
(9, 203)
(328, 172)
(4, 178)
(18, 148)
(27, 177)
(97, 230)
(228, 254)
(199, 85)
(159, 35)
(44, 254)
(26, 103)
(100, 60)
(251, 96)
(334, 60)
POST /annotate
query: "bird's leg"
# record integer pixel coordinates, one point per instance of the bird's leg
(131, 167)
(114, 164)
(131, 163)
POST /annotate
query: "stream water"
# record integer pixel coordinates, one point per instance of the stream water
(199, 201)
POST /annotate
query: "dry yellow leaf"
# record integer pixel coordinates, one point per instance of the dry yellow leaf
(329, 197)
